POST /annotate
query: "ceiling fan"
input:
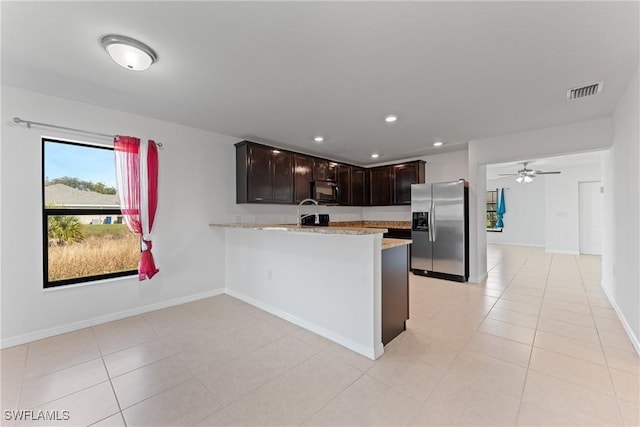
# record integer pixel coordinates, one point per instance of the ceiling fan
(525, 174)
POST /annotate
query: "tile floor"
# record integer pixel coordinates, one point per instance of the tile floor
(537, 344)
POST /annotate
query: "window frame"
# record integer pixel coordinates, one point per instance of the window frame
(71, 211)
(488, 211)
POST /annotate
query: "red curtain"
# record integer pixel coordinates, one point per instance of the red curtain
(137, 181)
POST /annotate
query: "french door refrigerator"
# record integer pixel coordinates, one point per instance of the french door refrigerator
(440, 230)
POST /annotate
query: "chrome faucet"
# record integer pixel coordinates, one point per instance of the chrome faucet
(304, 216)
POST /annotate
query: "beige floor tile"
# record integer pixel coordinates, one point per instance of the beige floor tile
(520, 319)
(567, 316)
(183, 404)
(349, 357)
(605, 313)
(313, 339)
(571, 369)
(294, 396)
(622, 360)
(520, 297)
(508, 330)
(231, 380)
(367, 402)
(193, 337)
(61, 383)
(61, 358)
(115, 420)
(500, 348)
(12, 373)
(548, 401)
(9, 396)
(173, 320)
(460, 400)
(84, 407)
(567, 329)
(526, 290)
(427, 349)
(209, 354)
(570, 346)
(138, 385)
(82, 338)
(136, 357)
(121, 334)
(568, 306)
(627, 385)
(616, 340)
(257, 336)
(222, 418)
(442, 330)
(609, 325)
(630, 413)
(520, 307)
(573, 297)
(480, 368)
(13, 354)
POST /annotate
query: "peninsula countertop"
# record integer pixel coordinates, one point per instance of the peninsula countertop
(306, 229)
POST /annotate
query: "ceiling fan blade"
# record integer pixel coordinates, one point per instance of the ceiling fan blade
(548, 173)
(508, 174)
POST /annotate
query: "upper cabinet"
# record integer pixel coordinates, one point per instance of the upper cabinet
(404, 175)
(325, 170)
(263, 174)
(303, 174)
(269, 175)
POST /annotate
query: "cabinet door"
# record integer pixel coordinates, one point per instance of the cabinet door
(381, 186)
(303, 172)
(358, 187)
(259, 174)
(344, 181)
(405, 175)
(325, 170)
(282, 176)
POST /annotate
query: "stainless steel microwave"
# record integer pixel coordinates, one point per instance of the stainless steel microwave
(326, 192)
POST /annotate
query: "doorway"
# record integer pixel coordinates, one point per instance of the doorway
(590, 217)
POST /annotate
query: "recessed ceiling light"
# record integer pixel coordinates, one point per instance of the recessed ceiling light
(437, 143)
(319, 139)
(375, 155)
(129, 53)
(390, 118)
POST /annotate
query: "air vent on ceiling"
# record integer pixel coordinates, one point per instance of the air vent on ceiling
(582, 91)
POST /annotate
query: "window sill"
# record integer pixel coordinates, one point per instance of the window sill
(90, 283)
(494, 230)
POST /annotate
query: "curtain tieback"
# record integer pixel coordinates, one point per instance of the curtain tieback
(146, 244)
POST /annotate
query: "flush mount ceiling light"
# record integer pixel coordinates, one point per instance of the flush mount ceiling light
(390, 118)
(438, 143)
(129, 53)
(319, 139)
(375, 155)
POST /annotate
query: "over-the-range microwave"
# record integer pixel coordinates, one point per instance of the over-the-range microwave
(326, 192)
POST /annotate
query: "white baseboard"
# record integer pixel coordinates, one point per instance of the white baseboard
(74, 326)
(371, 353)
(553, 251)
(480, 279)
(623, 320)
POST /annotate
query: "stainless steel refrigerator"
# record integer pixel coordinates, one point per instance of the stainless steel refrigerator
(440, 230)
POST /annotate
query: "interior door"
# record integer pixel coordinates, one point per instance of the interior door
(590, 218)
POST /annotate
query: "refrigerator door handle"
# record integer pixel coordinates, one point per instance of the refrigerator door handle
(432, 227)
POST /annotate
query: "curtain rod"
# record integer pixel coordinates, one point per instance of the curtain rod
(19, 121)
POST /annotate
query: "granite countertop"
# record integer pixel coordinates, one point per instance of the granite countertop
(353, 230)
(392, 243)
(372, 224)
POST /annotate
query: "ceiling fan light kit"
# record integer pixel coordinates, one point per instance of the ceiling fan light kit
(526, 175)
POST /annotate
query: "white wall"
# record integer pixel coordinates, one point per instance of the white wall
(194, 178)
(563, 208)
(590, 135)
(439, 168)
(525, 218)
(621, 244)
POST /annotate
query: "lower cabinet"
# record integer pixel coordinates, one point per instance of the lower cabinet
(395, 291)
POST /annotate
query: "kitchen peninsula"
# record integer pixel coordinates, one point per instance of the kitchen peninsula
(328, 280)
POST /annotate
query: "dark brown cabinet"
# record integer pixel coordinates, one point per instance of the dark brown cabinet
(302, 176)
(395, 291)
(263, 174)
(404, 175)
(325, 170)
(270, 175)
(359, 187)
(381, 186)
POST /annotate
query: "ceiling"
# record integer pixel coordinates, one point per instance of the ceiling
(284, 72)
(557, 163)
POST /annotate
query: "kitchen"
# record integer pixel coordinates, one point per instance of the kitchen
(197, 163)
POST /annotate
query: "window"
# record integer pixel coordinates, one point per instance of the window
(492, 205)
(84, 237)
